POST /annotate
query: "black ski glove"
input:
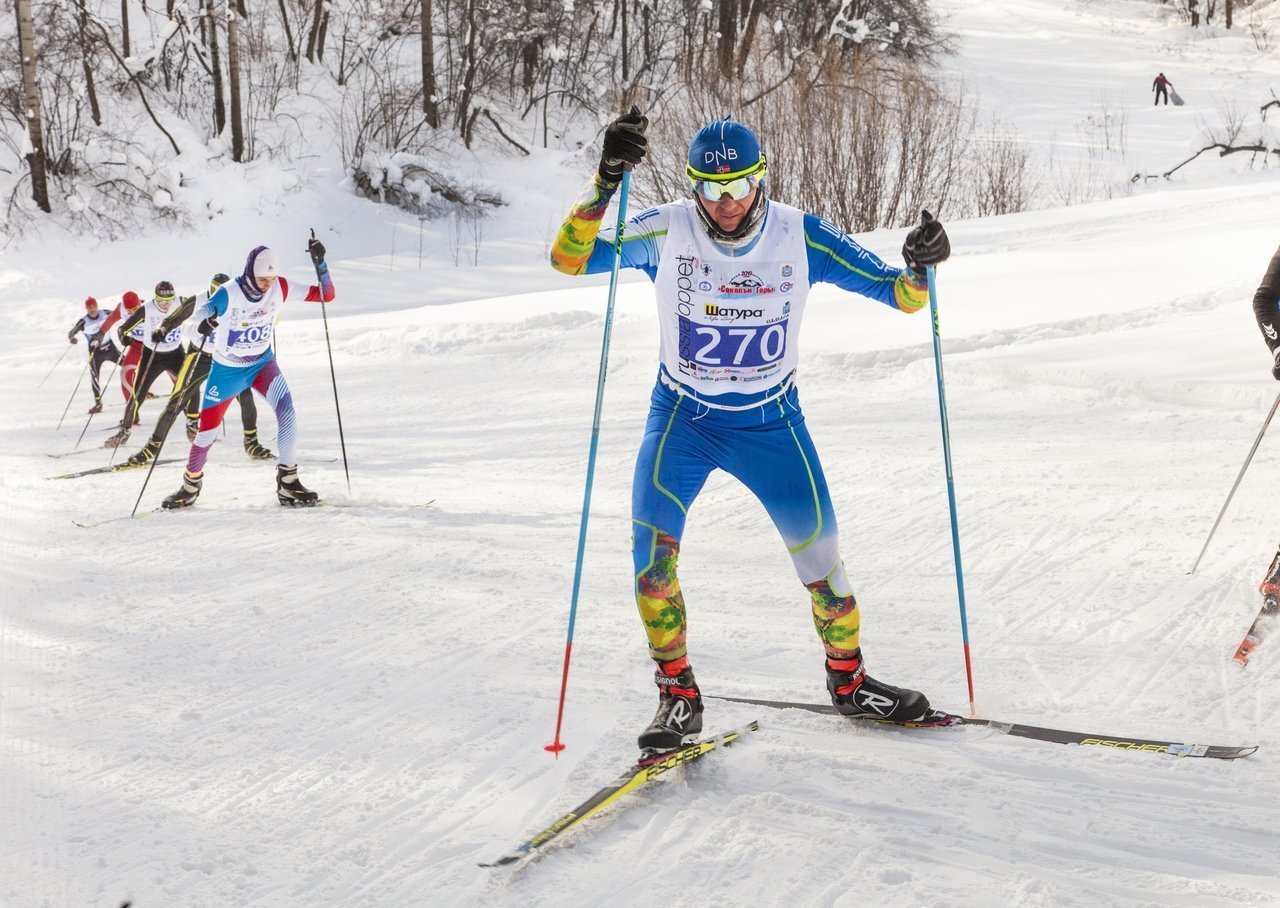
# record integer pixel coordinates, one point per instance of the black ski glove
(158, 335)
(127, 339)
(624, 144)
(1275, 367)
(208, 326)
(73, 338)
(94, 343)
(315, 249)
(926, 244)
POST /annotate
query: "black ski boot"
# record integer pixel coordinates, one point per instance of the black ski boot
(857, 694)
(679, 716)
(253, 449)
(291, 492)
(1270, 586)
(145, 456)
(117, 440)
(186, 496)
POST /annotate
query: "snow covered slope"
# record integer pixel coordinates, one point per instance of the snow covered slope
(239, 705)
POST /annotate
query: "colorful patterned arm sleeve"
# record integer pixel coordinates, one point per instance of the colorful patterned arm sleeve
(834, 258)
(581, 248)
(324, 290)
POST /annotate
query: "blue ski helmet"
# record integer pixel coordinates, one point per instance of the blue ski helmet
(724, 150)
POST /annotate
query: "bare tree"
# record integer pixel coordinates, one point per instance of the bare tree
(314, 39)
(124, 28)
(430, 109)
(87, 64)
(233, 73)
(31, 101)
(215, 65)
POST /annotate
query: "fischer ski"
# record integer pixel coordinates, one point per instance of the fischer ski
(1268, 617)
(646, 769)
(939, 719)
(115, 468)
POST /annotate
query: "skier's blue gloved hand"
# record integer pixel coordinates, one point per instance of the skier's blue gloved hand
(927, 244)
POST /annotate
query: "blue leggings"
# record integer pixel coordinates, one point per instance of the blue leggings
(769, 450)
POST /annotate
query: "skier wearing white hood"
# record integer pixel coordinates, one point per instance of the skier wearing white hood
(238, 321)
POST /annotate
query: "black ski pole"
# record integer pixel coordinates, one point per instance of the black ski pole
(54, 366)
(94, 412)
(130, 412)
(332, 375)
(179, 398)
(73, 393)
(1257, 441)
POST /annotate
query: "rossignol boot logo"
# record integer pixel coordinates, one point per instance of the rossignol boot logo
(680, 713)
(877, 703)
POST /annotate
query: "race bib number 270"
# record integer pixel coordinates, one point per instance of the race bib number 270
(723, 345)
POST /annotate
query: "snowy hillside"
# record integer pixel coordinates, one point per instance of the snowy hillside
(243, 705)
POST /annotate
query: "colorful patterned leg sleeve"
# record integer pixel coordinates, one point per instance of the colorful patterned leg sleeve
(210, 421)
(836, 619)
(270, 384)
(659, 598)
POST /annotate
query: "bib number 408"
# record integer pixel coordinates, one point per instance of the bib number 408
(255, 335)
(711, 345)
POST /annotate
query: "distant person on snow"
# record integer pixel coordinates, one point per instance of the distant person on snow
(159, 356)
(91, 325)
(238, 320)
(1266, 311)
(731, 270)
(132, 351)
(1161, 87)
(190, 381)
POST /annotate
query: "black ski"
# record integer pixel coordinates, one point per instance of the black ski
(939, 719)
(310, 507)
(115, 468)
(73, 453)
(646, 769)
(1268, 617)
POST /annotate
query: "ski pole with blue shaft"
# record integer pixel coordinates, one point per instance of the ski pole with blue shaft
(951, 485)
(556, 746)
